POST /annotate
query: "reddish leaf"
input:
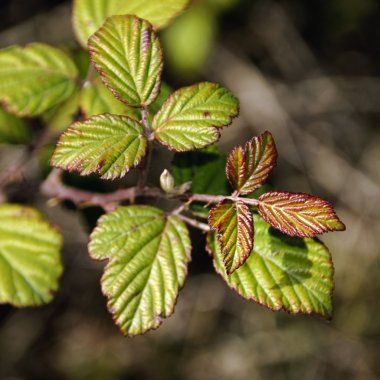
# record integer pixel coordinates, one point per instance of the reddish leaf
(234, 225)
(298, 214)
(249, 167)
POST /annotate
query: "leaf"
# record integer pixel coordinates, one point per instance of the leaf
(206, 171)
(61, 116)
(12, 129)
(191, 116)
(282, 273)
(89, 15)
(298, 214)
(96, 98)
(148, 254)
(30, 263)
(234, 225)
(35, 78)
(106, 144)
(127, 54)
(249, 167)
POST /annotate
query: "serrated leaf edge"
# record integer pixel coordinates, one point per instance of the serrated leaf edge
(108, 260)
(327, 317)
(155, 93)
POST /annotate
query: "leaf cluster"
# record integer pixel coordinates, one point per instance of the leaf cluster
(262, 247)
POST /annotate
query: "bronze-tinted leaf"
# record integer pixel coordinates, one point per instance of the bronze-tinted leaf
(249, 167)
(298, 214)
(234, 225)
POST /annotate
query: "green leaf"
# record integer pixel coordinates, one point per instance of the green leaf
(191, 116)
(234, 225)
(106, 144)
(148, 254)
(282, 272)
(205, 170)
(127, 54)
(35, 78)
(298, 214)
(249, 167)
(96, 98)
(61, 116)
(30, 264)
(12, 129)
(89, 15)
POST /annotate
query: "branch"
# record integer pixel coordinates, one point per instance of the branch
(54, 187)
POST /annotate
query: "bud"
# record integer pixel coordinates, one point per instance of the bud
(167, 181)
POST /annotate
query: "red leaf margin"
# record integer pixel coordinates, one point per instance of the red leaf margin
(298, 214)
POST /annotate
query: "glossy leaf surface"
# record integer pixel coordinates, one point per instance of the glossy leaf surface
(30, 264)
(35, 78)
(249, 167)
(191, 116)
(127, 54)
(298, 214)
(106, 144)
(234, 225)
(148, 253)
(282, 273)
(89, 15)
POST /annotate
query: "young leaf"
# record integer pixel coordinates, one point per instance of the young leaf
(298, 214)
(191, 116)
(12, 129)
(107, 144)
(282, 272)
(96, 98)
(30, 265)
(148, 254)
(127, 54)
(35, 78)
(234, 225)
(89, 15)
(249, 167)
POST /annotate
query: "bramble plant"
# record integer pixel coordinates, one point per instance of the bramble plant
(263, 246)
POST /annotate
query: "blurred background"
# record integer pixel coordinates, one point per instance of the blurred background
(308, 71)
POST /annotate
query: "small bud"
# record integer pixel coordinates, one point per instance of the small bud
(167, 181)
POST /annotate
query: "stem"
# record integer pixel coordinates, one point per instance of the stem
(144, 170)
(54, 187)
(219, 198)
(195, 223)
(145, 119)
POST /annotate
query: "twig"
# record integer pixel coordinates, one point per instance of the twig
(54, 187)
(218, 198)
(195, 223)
(144, 169)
